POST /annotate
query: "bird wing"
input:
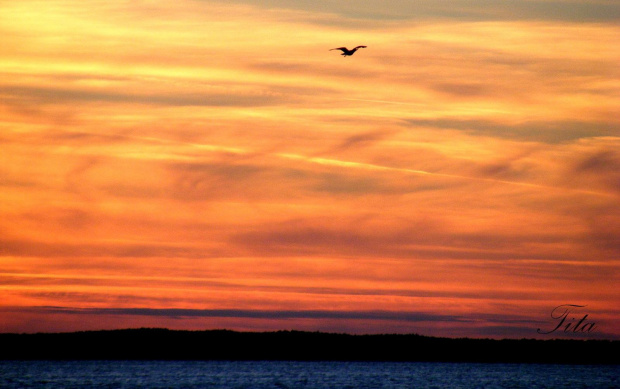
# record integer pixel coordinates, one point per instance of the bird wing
(361, 47)
(344, 49)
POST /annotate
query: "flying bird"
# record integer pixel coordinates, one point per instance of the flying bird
(346, 52)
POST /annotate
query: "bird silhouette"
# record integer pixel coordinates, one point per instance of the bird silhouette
(346, 52)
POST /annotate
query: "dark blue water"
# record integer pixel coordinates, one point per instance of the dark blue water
(161, 374)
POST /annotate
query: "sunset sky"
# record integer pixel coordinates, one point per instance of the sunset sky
(196, 164)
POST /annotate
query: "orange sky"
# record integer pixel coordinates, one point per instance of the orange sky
(203, 164)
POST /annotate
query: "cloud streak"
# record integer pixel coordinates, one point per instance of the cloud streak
(260, 314)
(570, 10)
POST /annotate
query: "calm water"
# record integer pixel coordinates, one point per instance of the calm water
(160, 374)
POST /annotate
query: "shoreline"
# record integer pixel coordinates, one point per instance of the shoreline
(165, 344)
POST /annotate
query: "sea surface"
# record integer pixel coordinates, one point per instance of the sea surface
(216, 374)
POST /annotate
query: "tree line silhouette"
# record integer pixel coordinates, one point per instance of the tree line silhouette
(163, 344)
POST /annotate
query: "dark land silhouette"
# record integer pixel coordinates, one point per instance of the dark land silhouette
(163, 344)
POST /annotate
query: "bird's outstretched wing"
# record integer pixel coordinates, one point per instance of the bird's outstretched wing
(344, 49)
(360, 47)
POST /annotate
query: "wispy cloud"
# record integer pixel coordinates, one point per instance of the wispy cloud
(571, 10)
